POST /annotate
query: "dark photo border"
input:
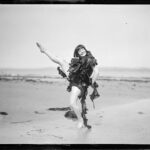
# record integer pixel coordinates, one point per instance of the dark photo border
(73, 146)
(74, 1)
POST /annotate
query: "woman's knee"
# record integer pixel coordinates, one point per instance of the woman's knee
(64, 67)
(73, 101)
(73, 105)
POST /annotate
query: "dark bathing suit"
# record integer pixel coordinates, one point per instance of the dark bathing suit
(80, 71)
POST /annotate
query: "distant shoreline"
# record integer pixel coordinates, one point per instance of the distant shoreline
(100, 68)
(45, 78)
(50, 73)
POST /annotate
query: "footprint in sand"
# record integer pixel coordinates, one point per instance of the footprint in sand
(134, 85)
(28, 133)
(26, 121)
(38, 130)
(35, 132)
(100, 116)
(140, 113)
(41, 113)
(59, 137)
(97, 124)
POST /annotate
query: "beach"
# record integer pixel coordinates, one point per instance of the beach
(121, 114)
(34, 101)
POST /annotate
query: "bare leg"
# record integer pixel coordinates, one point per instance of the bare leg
(75, 92)
(62, 63)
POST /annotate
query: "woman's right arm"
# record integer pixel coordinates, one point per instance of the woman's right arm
(95, 74)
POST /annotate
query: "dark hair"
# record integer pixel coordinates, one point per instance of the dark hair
(80, 46)
(88, 54)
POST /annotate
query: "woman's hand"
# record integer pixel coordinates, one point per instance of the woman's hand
(40, 47)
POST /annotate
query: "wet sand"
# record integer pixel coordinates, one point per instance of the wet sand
(121, 116)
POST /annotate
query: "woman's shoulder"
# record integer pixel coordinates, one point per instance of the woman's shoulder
(91, 57)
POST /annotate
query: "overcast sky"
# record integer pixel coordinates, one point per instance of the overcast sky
(117, 35)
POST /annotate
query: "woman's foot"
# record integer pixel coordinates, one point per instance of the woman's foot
(40, 47)
(80, 124)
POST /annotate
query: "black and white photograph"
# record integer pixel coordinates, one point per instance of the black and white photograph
(74, 74)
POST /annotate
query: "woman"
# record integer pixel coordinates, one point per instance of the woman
(81, 73)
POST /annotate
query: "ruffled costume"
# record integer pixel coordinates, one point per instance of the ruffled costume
(80, 70)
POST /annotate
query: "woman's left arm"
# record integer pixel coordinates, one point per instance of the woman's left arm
(95, 74)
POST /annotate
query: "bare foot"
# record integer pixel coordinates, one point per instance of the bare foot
(40, 47)
(80, 124)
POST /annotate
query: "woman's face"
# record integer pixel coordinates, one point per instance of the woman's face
(82, 52)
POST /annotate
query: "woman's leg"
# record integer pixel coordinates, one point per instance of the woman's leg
(75, 92)
(62, 63)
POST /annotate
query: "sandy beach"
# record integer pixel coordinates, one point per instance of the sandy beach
(121, 116)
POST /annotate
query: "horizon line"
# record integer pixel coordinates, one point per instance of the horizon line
(103, 67)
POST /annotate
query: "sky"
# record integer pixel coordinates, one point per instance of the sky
(117, 35)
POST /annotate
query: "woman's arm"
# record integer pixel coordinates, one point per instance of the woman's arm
(95, 74)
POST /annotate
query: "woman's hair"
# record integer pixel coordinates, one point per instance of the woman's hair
(80, 46)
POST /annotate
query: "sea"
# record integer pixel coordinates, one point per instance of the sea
(103, 72)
